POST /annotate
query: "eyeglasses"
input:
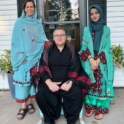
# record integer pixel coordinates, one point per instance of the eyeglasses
(57, 36)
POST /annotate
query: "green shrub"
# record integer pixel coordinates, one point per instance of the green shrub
(118, 56)
(5, 63)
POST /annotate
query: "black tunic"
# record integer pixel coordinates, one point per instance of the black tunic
(59, 63)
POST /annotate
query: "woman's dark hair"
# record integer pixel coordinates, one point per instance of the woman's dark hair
(93, 8)
(24, 5)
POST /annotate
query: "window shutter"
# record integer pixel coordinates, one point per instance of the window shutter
(101, 3)
(20, 7)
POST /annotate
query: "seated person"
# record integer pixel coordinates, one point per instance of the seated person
(61, 76)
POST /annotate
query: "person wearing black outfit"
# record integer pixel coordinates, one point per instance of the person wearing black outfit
(62, 80)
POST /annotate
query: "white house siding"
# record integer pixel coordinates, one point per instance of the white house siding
(8, 15)
(115, 20)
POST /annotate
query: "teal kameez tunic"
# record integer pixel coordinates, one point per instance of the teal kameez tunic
(95, 99)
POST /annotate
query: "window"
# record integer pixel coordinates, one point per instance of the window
(61, 10)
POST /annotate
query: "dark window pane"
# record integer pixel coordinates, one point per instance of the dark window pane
(69, 28)
(61, 10)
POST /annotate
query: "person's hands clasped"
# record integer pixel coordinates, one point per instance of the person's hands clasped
(94, 64)
(53, 86)
(66, 86)
(98, 61)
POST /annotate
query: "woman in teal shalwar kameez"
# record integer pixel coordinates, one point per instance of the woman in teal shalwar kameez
(96, 58)
(26, 48)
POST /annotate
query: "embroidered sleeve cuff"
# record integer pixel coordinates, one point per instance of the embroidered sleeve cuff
(84, 55)
(102, 57)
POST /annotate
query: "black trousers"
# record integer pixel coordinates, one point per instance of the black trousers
(50, 103)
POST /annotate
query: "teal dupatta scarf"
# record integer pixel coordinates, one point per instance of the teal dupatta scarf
(27, 44)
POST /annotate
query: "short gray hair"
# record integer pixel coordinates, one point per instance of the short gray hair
(59, 28)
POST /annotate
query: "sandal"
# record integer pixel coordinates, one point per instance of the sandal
(22, 112)
(29, 108)
(89, 112)
(98, 115)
